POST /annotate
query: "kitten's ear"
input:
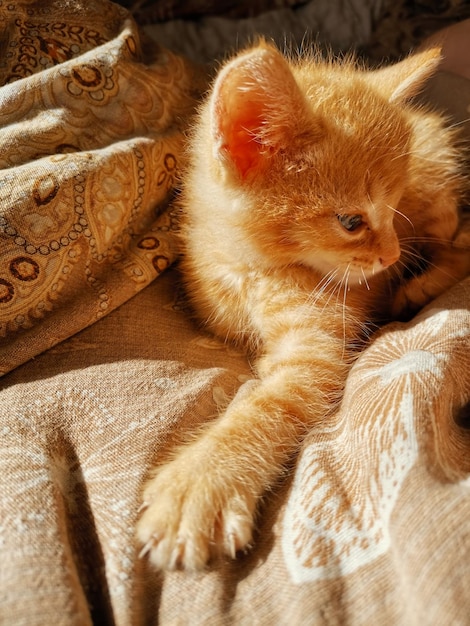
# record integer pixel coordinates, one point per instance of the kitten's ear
(256, 109)
(405, 79)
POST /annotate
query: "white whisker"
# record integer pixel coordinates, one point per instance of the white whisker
(460, 123)
(345, 280)
(434, 241)
(401, 214)
(365, 279)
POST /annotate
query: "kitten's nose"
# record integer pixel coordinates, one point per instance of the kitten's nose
(389, 259)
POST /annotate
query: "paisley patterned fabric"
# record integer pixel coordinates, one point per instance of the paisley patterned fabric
(371, 525)
(91, 135)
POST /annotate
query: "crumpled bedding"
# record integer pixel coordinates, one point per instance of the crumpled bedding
(103, 371)
(91, 134)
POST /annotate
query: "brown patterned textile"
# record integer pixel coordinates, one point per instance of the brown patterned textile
(91, 137)
(372, 523)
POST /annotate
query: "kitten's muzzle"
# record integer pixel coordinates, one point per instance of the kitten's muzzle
(386, 260)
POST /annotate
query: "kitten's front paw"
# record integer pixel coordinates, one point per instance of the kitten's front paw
(190, 517)
(408, 301)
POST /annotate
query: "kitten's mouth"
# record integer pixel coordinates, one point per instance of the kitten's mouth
(352, 273)
(360, 275)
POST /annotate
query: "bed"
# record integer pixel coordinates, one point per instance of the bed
(102, 368)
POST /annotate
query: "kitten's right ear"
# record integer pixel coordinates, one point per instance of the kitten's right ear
(256, 110)
(405, 79)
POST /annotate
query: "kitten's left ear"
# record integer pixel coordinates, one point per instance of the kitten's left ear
(405, 79)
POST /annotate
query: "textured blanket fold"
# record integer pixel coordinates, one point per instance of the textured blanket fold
(91, 135)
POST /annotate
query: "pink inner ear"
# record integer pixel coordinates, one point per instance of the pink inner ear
(240, 129)
(252, 109)
(239, 111)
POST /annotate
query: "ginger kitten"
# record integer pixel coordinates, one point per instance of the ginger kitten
(317, 201)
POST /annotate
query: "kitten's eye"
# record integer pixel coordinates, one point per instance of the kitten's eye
(350, 222)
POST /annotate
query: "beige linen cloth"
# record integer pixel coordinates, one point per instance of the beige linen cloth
(371, 526)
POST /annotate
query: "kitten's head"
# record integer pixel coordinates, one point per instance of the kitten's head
(316, 154)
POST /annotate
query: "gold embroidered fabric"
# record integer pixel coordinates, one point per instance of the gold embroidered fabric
(372, 523)
(90, 129)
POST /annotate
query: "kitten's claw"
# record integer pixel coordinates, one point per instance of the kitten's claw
(186, 523)
(177, 555)
(232, 546)
(142, 507)
(147, 547)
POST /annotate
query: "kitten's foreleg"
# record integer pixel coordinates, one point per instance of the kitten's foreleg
(449, 263)
(202, 504)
